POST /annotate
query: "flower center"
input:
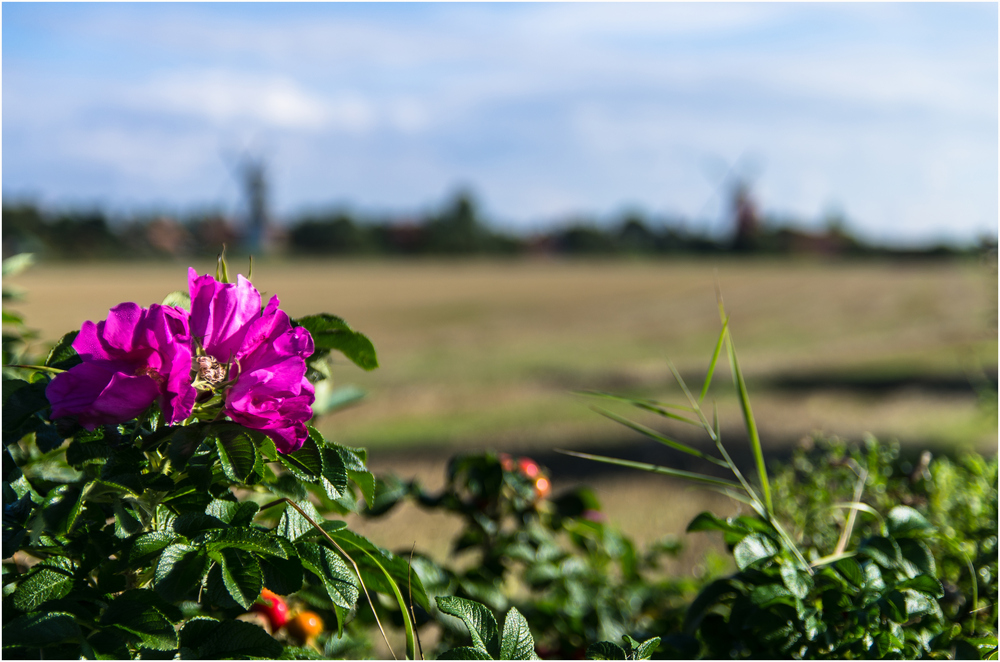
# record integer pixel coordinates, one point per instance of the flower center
(149, 372)
(210, 370)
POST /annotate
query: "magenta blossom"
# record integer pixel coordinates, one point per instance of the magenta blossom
(136, 357)
(257, 354)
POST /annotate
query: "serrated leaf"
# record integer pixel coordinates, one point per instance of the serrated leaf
(126, 524)
(236, 513)
(306, 463)
(465, 653)
(62, 355)
(606, 650)
(767, 595)
(903, 520)
(478, 619)
(292, 525)
(95, 452)
(797, 580)
(242, 576)
(49, 580)
(924, 584)
(283, 576)
(331, 332)
(41, 629)
(752, 549)
(237, 453)
(237, 639)
(882, 550)
(337, 577)
(148, 544)
(894, 606)
(145, 623)
(851, 571)
(246, 538)
(516, 642)
(917, 558)
(365, 480)
(179, 571)
(191, 525)
(646, 649)
(334, 474)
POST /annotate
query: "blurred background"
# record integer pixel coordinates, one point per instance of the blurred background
(521, 201)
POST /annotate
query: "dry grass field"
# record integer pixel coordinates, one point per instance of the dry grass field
(479, 354)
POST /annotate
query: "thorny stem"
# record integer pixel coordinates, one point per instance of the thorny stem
(333, 542)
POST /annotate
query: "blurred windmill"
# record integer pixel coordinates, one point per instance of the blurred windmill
(733, 186)
(251, 172)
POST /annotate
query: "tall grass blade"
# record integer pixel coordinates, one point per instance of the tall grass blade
(652, 468)
(694, 403)
(653, 434)
(652, 405)
(751, 424)
(715, 360)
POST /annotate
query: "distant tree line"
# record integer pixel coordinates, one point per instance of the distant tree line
(456, 229)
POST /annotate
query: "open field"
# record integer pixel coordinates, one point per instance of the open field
(482, 354)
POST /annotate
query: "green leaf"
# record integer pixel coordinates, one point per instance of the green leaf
(465, 653)
(179, 571)
(61, 508)
(606, 650)
(21, 404)
(331, 332)
(882, 550)
(306, 463)
(16, 264)
(237, 452)
(337, 577)
(283, 576)
(246, 538)
(376, 562)
(516, 642)
(894, 606)
(851, 571)
(234, 640)
(178, 298)
(646, 649)
(126, 524)
(148, 544)
(293, 525)
(334, 474)
(236, 513)
(796, 579)
(145, 623)
(242, 576)
(39, 630)
(706, 521)
(62, 355)
(478, 619)
(924, 584)
(903, 520)
(365, 480)
(708, 597)
(917, 558)
(765, 596)
(49, 580)
(753, 548)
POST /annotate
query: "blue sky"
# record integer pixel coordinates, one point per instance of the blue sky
(884, 113)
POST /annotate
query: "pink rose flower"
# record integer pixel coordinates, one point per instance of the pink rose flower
(136, 357)
(258, 354)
